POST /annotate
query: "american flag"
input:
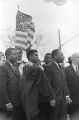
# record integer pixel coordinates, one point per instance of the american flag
(25, 30)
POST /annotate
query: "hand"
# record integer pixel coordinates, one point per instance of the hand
(52, 103)
(9, 107)
(68, 100)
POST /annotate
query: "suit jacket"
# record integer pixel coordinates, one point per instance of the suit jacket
(33, 84)
(9, 86)
(73, 84)
(57, 79)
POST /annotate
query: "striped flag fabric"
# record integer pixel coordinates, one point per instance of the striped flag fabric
(25, 30)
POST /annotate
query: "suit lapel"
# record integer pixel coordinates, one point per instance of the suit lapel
(10, 69)
(56, 67)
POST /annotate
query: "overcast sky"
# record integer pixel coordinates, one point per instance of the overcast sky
(48, 18)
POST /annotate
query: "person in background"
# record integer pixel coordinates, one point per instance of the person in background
(44, 105)
(33, 85)
(72, 74)
(56, 76)
(69, 60)
(47, 59)
(2, 58)
(18, 66)
(10, 101)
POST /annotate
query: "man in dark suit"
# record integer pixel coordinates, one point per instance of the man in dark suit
(56, 76)
(10, 102)
(72, 74)
(47, 58)
(44, 105)
(33, 86)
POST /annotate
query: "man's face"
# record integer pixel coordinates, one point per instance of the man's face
(34, 57)
(48, 59)
(19, 54)
(13, 56)
(60, 57)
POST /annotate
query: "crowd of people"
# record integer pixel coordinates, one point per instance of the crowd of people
(35, 91)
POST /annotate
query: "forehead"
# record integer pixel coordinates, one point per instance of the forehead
(60, 52)
(19, 50)
(48, 56)
(14, 51)
(35, 53)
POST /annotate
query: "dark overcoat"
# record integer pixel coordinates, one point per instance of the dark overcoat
(57, 79)
(9, 86)
(33, 85)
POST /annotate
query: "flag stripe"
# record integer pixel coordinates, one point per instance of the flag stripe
(18, 46)
(22, 42)
(30, 35)
(31, 32)
(21, 39)
(21, 46)
(20, 32)
(20, 35)
(32, 28)
(25, 30)
(24, 39)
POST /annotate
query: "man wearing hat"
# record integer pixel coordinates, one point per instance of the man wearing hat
(72, 73)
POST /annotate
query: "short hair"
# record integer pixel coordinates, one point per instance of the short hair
(8, 51)
(54, 52)
(31, 52)
(17, 48)
(47, 55)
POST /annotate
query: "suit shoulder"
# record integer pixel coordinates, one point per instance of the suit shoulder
(3, 69)
(68, 67)
(49, 65)
(3, 66)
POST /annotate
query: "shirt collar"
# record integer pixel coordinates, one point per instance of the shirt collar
(10, 64)
(56, 64)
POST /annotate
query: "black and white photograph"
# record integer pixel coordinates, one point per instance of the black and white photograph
(39, 59)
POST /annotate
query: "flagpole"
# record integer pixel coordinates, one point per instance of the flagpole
(59, 39)
(18, 6)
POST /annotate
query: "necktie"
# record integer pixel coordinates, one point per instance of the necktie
(59, 66)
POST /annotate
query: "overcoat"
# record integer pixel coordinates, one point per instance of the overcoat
(9, 86)
(33, 85)
(57, 79)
